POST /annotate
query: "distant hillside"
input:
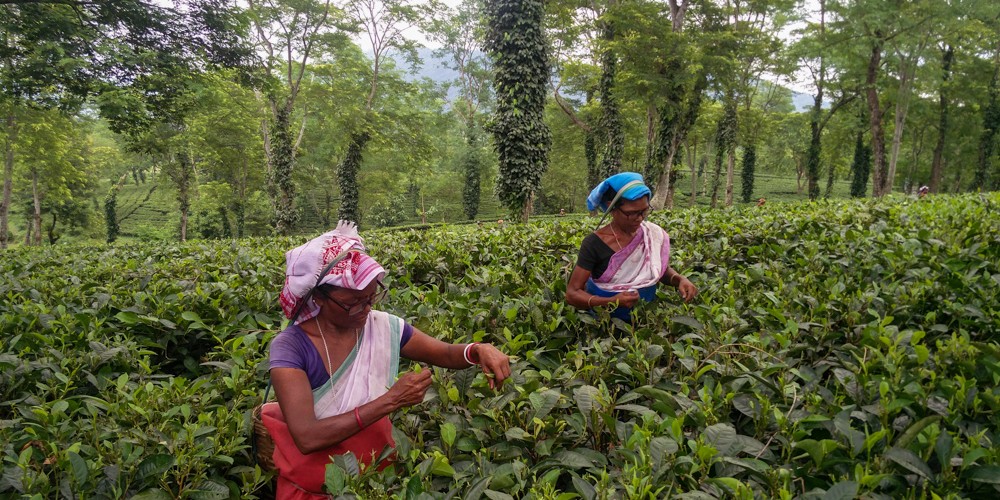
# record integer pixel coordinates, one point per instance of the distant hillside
(436, 70)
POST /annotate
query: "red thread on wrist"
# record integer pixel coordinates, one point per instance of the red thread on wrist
(357, 416)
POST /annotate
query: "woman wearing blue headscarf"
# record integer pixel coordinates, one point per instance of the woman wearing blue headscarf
(623, 261)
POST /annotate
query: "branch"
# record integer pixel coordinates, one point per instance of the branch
(569, 111)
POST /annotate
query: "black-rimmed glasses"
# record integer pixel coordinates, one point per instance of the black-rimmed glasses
(634, 214)
(359, 307)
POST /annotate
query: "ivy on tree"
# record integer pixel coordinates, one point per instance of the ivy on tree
(516, 44)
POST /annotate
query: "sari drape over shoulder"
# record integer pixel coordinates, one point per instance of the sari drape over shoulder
(639, 265)
(367, 373)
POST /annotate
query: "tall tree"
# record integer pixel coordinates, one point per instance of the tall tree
(461, 36)
(515, 42)
(57, 53)
(611, 119)
(383, 24)
(937, 164)
(289, 33)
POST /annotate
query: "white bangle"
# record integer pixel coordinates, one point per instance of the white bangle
(465, 353)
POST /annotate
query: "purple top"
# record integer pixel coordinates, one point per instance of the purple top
(293, 349)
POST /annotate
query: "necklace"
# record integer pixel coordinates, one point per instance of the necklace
(612, 226)
(322, 336)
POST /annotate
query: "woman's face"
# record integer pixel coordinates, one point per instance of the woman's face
(629, 214)
(349, 309)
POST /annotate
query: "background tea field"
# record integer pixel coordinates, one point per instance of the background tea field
(836, 350)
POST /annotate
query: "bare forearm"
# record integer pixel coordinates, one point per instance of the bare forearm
(672, 277)
(581, 299)
(326, 432)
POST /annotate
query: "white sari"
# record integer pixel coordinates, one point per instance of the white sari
(640, 264)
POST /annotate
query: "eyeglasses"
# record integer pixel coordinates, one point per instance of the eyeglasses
(359, 307)
(633, 214)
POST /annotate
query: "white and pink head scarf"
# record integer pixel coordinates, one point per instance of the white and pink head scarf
(305, 263)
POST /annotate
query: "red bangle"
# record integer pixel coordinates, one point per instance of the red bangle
(357, 416)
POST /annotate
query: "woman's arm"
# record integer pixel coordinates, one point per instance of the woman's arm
(684, 286)
(291, 386)
(578, 297)
(424, 348)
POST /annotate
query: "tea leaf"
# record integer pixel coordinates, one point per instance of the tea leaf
(909, 461)
(844, 490)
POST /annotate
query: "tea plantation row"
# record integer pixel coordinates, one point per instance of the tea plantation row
(836, 350)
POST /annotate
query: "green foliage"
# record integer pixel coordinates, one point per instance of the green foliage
(840, 347)
(747, 173)
(516, 44)
(388, 212)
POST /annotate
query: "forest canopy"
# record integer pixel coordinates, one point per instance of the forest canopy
(212, 118)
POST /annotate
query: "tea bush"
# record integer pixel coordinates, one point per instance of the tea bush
(837, 349)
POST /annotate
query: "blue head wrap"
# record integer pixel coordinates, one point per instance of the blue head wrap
(628, 185)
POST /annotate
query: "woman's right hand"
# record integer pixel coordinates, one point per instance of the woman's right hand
(626, 299)
(410, 388)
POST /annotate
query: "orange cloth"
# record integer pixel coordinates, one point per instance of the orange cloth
(301, 477)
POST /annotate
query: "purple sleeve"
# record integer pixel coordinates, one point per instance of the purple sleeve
(287, 352)
(407, 333)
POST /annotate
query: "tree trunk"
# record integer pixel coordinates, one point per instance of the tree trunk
(52, 229)
(902, 106)
(8, 176)
(937, 165)
(875, 118)
(347, 177)
(730, 170)
(36, 213)
(692, 162)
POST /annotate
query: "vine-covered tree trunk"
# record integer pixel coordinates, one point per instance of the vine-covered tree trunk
(860, 167)
(725, 143)
(8, 176)
(987, 140)
(673, 129)
(830, 176)
(515, 41)
(472, 165)
(111, 211)
(282, 161)
(347, 177)
(184, 178)
(937, 164)
(36, 210)
(747, 175)
(815, 146)
(611, 120)
(590, 151)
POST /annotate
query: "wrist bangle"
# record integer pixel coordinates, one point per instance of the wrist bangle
(589, 300)
(357, 416)
(467, 351)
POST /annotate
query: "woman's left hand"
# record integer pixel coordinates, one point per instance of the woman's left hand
(687, 290)
(493, 362)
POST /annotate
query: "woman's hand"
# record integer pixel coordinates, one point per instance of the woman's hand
(626, 299)
(493, 362)
(687, 290)
(409, 389)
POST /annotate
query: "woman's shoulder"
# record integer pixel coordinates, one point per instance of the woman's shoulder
(593, 240)
(291, 336)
